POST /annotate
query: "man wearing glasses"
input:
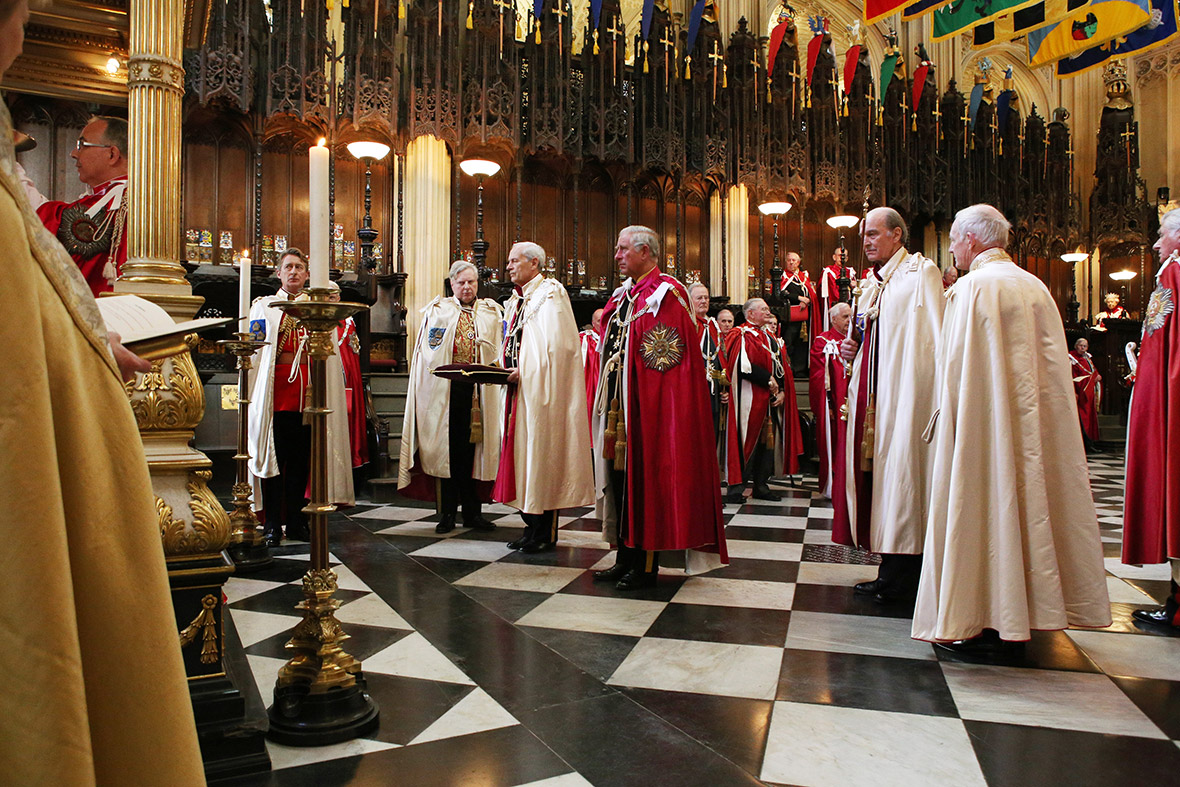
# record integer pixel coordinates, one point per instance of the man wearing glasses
(92, 227)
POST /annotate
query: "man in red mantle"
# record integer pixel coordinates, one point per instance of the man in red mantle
(591, 361)
(756, 373)
(1151, 512)
(797, 288)
(827, 391)
(91, 227)
(788, 439)
(1087, 387)
(658, 489)
(829, 286)
(709, 339)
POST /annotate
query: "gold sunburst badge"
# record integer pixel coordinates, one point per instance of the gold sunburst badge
(662, 348)
(1158, 308)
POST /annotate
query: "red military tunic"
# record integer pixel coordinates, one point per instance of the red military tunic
(290, 380)
(673, 490)
(827, 392)
(97, 243)
(1087, 387)
(1151, 511)
(349, 346)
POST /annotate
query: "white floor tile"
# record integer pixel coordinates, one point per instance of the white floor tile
(465, 549)
(764, 550)
(413, 657)
(399, 513)
(265, 671)
(1045, 698)
(418, 529)
(871, 636)
(755, 594)
(282, 757)
(371, 610)
(832, 746)
(1121, 592)
(565, 780)
(521, 576)
(838, 574)
(603, 615)
(581, 539)
(763, 520)
(1150, 571)
(1131, 655)
(821, 513)
(701, 668)
(238, 588)
(477, 712)
(253, 627)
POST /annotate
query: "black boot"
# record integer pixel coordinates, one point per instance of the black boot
(612, 574)
(446, 524)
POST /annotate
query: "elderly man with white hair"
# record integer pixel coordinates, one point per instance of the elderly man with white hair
(1151, 513)
(451, 430)
(545, 455)
(1012, 538)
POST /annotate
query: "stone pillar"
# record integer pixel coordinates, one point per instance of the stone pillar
(427, 216)
(169, 401)
(716, 260)
(737, 247)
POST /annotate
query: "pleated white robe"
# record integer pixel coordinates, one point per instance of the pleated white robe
(1012, 538)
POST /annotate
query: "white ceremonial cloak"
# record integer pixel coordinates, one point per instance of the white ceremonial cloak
(551, 443)
(906, 300)
(263, 463)
(427, 423)
(1012, 542)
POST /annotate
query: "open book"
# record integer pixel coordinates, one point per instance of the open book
(146, 329)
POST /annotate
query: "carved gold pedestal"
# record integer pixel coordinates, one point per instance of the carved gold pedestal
(320, 695)
(247, 547)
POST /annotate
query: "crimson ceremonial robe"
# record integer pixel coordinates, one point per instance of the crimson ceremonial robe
(94, 266)
(829, 291)
(789, 438)
(1087, 388)
(827, 391)
(1151, 511)
(750, 366)
(673, 490)
(804, 313)
(354, 391)
(591, 361)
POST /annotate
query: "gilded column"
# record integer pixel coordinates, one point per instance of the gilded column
(169, 400)
(737, 247)
(428, 213)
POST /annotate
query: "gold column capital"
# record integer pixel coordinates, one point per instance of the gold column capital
(144, 70)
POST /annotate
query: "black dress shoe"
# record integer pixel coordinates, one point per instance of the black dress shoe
(519, 542)
(986, 647)
(636, 579)
(735, 497)
(533, 547)
(272, 536)
(766, 494)
(479, 523)
(612, 574)
(446, 524)
(868, 588)
(1157, 617)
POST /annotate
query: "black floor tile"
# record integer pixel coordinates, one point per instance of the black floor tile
(570, 557)
(629, 746)
(598, 654)
(842, 601)
(362, 642)
(282, 600)
(733, 727)
(765, 570)
(858, 681)
(776, 534)
(410, 705)
(449, 569)
(585, 524)
(508, 604)
(1015, 755)
(666, 587)
(707, 623)
(1158, 699)
(282, 570)
(775, 510)
(408, 544)
(1045, 650)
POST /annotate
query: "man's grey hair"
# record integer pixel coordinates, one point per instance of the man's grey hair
(750, 303)
(987, 224)
(458, 266)
(894, 221)
(530, 251)
(837, 308)
(1170, 222)
(643, 236)
(726, 309)
(695, 285)
(115, 133)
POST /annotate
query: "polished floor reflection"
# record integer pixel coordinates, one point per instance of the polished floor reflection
(496, 668)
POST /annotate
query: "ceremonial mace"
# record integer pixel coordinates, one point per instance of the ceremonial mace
(247, 544)
(320, 695)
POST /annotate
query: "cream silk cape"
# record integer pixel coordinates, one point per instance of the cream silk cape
(1012, 542)
(95, 690)
(263, 462)
(552, 444)
(426, 426)
(908, 312)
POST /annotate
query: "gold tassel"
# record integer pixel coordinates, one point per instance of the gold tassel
(595, 42)
(621, 442)
(537, 27)
(724, 75)
(401, 9)
(470, 10)
(768, 432)
(612, 420)
(519, 31)
(476, 419)
(688, 68)
(914, 122)
(645, 58)
(870, 435)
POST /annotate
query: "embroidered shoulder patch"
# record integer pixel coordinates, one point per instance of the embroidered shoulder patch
(1158, 308)
(662, 348)
(435, 336)
(258, 330)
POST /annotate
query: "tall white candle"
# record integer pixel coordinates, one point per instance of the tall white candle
(318, 201)
(244, 291)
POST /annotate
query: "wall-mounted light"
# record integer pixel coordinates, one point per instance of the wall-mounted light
(1073, 257)
(1123, 275)
(113, 64)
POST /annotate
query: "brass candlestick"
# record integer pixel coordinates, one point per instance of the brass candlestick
(247, 546)
(320, 695)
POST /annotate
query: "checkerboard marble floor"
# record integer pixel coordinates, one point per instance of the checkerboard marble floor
(496, 668)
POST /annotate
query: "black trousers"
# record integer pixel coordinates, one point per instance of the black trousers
(632, 558)
(460, 489)
(899, 574)
(541, 528)
(284, 495)
(758, 469)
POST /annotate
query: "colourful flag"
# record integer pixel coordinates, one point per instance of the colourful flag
(776, 41)
(649, 7)
(694, 22)
(961, 15)
(879, 9)
(596, 12)
(887, 67)
(1097, 23)
(921, 8)
(1159, 31)
(1024, 21)
(851, 57)
(1004, 102)
(919, 83)
(819, 26)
